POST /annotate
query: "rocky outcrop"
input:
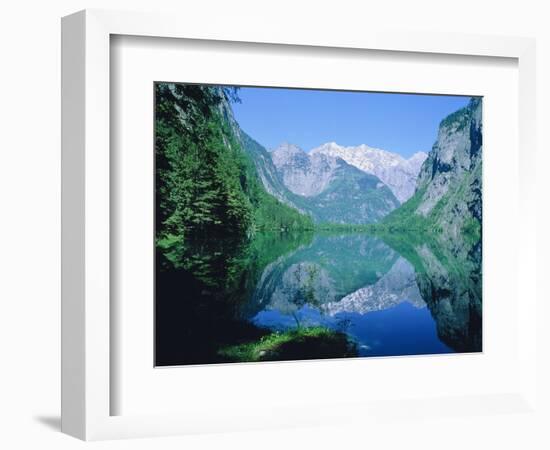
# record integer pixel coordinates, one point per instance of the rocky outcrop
(267, 172)
(396, 172)
(450, 180)
(304, 174)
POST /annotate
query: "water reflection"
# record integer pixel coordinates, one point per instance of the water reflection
(388, 296)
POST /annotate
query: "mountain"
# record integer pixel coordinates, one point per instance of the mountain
(452, 289)
(396, 286)
(398, 173)
(449, 282)
(266, 170)
(304, 174)
(331, 190)
(452, 170)
(323, 271)
(449, 187)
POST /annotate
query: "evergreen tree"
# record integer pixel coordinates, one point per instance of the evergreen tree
(206, 186)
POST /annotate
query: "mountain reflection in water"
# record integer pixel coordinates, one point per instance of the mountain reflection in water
(385, 294)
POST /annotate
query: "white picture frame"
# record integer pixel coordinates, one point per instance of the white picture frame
(86, 245)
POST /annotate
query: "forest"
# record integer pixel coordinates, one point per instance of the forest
(206, 185)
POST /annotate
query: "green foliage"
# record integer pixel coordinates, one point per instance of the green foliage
(352, 198)
(172, 248)
(197, 180)
(461, 118)
(271, 214)
(406, 244)
(471, 231)
(206, 185)
(336, 257)
(268, 246)
(300, 343)
(344, 227)
(405, 217)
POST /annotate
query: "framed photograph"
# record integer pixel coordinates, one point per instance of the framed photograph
(331, 252)
(251, 216)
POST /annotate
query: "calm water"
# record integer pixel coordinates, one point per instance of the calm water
(389, 297)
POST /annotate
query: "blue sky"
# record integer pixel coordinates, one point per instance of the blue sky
(401, 123)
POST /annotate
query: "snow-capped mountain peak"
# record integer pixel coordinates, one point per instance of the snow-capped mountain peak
(330, 189)
(398, 173)
(302, 173)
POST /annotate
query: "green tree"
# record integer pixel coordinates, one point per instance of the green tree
(206, 185)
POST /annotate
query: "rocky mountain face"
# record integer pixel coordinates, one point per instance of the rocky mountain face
(331, 190)
(398, 173)
(449, 187)
(359, 185)
(304, 174)
(266, 170)
(455, 155)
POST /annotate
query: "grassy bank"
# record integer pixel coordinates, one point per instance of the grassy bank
(301, 343)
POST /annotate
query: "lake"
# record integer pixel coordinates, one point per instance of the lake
(286, 296)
